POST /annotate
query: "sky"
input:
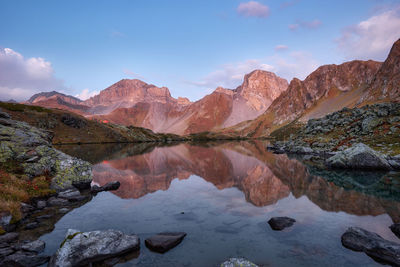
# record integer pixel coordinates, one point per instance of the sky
(82, 47)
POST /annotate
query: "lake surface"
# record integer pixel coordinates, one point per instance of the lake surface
(222, 196)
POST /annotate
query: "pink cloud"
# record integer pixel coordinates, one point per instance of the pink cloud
(253, 9)
(305, 24)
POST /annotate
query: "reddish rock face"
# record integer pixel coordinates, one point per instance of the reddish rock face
(57, 100)
(386, 85)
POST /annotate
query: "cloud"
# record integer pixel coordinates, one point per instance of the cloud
(86, 94)
(230, 75)
(305, 24)
(132, 74)
(371, 38)
(281, 48)
(289, 4)
(117, 34)
(297, 64)
(253, 9)
(20, 78)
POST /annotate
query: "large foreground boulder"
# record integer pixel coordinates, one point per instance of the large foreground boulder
(80, 249)
(163, 242)
(359, 156)
(31, 150)
(372, 244)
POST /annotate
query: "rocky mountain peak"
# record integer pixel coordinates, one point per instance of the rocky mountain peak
(263, 84)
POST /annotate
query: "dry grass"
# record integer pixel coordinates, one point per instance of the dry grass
(16, 189)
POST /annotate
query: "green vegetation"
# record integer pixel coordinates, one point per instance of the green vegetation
(21, 107)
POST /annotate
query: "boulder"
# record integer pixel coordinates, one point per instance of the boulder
(36, 246)
(79, 249)
(238, 262)
(163, 242)
(359, 156)
(24, 259)
(372, 244)
(41, 204)
(72, 195)
(7, 238)
(280, 223)
(107, 187)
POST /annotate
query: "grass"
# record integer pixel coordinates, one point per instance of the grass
(15, 189)
(21, 107)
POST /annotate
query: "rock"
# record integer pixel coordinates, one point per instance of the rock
(280, 223)
(82, 185)
(238, 262)
(107, 187)
(36, 246)
(32, 149)
(80, 249)
(7, 238)
(4, 115)
(41, 204)
(63, 210)
(31, 225)
(72, 195)
(26, 208)
(163, 242)
(5, 252)
(359, 156)
(53, 201)
(24, 259)
(72, 121)
(395, 229)
(373, 245)
(43, 218)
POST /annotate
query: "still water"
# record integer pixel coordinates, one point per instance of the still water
(222, 196)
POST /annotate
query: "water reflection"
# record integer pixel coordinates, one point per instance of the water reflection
(262, 176)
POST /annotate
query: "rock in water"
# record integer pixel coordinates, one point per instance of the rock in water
(24, 259)
(79, 249)
(372, 244)
(280, 223)
(107, 187)
(395, 229)
(238, 262)
(163, 242)
(36, 246)
(359, 156)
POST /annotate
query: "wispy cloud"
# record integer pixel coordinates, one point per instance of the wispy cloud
(132, 74)
(305, 24)
(281, 47)
(230, 75)
(371, 38)
(287, 4)
(86, 94)
(117, 34)
(21, 77)
(253, 9)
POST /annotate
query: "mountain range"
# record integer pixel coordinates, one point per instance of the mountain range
(262, 103)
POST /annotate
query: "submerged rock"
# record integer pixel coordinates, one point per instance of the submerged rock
(79, 249)
(238, 262)
(280, 223)
(372, 244)
(163, 242)
(359, 156)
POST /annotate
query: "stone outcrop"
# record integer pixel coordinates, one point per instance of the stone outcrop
(31, 149)
(359, 157)
(84, 248)
(372, 244)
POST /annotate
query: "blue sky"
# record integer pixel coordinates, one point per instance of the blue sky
(189, 46)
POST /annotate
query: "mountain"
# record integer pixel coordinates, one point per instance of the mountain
(386, 84)
(58, 100)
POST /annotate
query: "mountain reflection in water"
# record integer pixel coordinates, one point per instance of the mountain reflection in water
(262, 176)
